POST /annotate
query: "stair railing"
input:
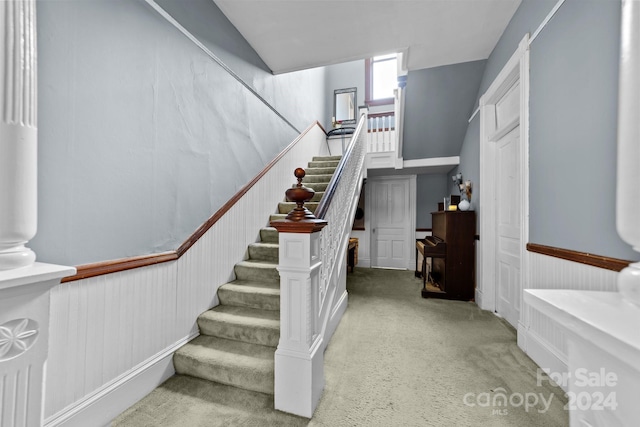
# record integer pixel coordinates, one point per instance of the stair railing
(338, 207)
(312, 267)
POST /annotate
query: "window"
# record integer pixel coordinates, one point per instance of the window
(381, 79)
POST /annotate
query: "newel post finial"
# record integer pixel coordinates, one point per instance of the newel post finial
(300, 219)
(300, 194)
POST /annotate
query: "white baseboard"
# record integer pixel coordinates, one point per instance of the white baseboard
(106, 403)
(522, 336)
(364, 262)
(544, 355)
(479, 298)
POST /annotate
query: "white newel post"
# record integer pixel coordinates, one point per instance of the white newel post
(628, 184)
(24, 284)
(299, 359)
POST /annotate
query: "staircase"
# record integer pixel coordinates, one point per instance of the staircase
(238, 338)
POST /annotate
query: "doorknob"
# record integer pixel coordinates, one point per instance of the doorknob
(374, 230)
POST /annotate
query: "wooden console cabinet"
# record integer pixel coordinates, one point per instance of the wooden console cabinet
(452, 249)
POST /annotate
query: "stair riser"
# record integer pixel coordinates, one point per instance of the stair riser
(269, 235)
(316, 178)
(256, 274)
(245, 299)
(327, 164)
(317, 186)
(263, 253)
(317, 196)
(255, 335)
(276, 217)
(326, 158)
(319, 171)
(255, 381)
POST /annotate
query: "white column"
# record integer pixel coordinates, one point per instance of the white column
(628, 187)
(18, 132)
(24, 341)
(299, 359)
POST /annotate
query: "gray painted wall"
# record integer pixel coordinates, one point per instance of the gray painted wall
(573, 95)
(431, 189)
(439, 102)
(342, 76)
(142, 135)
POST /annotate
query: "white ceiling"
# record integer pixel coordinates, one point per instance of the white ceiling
(292, 35)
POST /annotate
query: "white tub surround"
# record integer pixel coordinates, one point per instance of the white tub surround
(24, 341)
(18, 133)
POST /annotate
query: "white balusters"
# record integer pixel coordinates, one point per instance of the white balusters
(381, 136)
(313, 294)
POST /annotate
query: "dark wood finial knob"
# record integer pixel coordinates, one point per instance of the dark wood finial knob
(299, 173)
(300, 194)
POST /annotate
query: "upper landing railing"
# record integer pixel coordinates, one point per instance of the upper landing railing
(381, 134)
(385, 135)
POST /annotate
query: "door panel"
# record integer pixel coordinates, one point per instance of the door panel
(390, 222)
(508, 221)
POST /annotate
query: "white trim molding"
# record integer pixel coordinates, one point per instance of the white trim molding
(516, 70)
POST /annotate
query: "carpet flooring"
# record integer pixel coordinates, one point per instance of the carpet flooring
(396, 359)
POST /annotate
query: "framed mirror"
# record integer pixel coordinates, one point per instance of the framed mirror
(345, 105)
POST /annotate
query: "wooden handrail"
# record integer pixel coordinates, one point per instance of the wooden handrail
(608, 263)
(325, 202)
(113, 266)
(381, 114)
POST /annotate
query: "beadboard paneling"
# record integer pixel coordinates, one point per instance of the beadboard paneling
(209, 263)
(105, 328)
(555, 273)
(547, 272)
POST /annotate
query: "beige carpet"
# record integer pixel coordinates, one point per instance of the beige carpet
(395, 360)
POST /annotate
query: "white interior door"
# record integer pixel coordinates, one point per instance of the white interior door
(508, 226)
(390, 222)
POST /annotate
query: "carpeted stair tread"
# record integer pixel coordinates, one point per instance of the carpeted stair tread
(269, 235)
(317, 196)
(257, 270)
(240, 364)
(262, 295)
(286, 207)
(317, 178)
(184, 401)
(244, 324)
(311, 171)
(325, 158)
(278, 216)
(315, 186)
(324, 164)
(255, 294)
(264, 251)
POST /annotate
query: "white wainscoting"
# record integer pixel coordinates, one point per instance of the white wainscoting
(112, 336)
(540, 337)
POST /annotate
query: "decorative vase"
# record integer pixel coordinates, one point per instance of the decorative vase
(464, 205)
